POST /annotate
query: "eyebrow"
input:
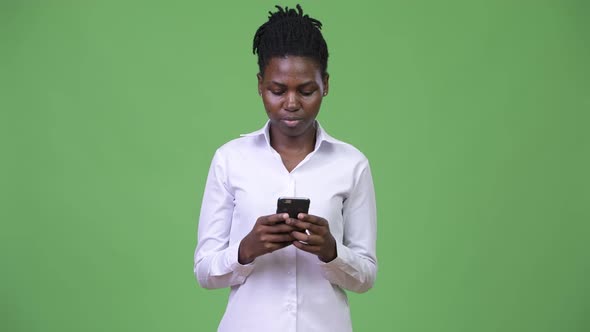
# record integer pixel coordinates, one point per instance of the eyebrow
(300, 85)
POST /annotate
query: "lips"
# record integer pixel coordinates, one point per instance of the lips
(291, 122)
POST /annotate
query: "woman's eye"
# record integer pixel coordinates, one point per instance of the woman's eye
(307, 93)
(277, 92)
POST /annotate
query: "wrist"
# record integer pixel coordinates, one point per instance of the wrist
(244, 256)
(331, 255)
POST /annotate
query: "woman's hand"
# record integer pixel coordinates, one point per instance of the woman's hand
(318, 239)
(269, 233)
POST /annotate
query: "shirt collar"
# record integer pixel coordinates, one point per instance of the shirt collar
(321, 134)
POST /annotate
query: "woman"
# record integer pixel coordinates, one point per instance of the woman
(288, 274)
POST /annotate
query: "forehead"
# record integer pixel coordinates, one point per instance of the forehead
(292, 68)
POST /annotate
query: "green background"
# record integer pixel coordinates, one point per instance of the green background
(474, 115)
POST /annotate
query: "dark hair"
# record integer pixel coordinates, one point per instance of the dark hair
(289, 32)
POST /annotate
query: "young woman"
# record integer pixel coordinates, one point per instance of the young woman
(288, 274)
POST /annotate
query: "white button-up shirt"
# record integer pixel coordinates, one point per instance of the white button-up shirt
(287, 290)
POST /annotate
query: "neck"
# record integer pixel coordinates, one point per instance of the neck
(302, 143)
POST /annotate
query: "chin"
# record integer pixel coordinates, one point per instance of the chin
(296, 131)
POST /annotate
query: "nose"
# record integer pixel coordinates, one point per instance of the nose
(291, 103)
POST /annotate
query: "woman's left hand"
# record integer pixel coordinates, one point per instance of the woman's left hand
(317, 240)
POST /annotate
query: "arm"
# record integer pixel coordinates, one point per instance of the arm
(351, 264)
(355, 266)
(216, 262)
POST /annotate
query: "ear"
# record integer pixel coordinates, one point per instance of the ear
(260, 79)
(326, 82)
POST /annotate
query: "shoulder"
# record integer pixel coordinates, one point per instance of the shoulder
(238, 144)
(239, 148)
(234, 148)
(343, 150)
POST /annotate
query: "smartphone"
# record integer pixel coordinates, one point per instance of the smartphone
(293, 206)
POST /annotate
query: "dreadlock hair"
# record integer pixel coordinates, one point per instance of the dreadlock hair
(289, 32)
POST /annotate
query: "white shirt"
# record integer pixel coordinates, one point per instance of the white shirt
(287, 290)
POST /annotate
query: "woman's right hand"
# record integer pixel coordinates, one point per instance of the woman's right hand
(269, 233)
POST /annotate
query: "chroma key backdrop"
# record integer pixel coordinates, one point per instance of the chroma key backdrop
(473, 114)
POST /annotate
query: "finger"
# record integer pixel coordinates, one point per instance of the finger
(304, 225)
(273, 219)
(279, 228)
(273, 246)
(310, 239)
(277, 238)
(310, 218)
(299, 224)
(300, 236)
(306, 247)
(319, 224)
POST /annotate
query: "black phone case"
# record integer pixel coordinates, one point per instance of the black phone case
(293, 206)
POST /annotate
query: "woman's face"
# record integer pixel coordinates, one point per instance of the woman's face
(292, 90)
